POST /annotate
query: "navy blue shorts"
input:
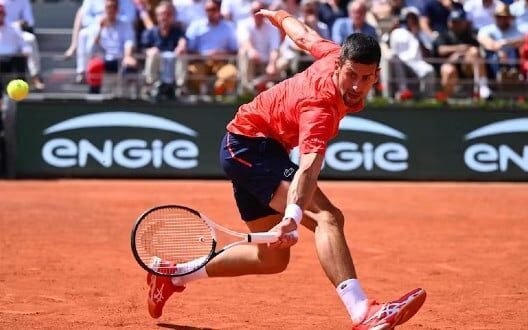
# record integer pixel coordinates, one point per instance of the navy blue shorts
(256, 166)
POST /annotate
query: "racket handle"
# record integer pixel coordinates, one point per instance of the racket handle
(268, 237)
(263, 238)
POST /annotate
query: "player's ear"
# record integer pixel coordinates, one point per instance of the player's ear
(377, 74)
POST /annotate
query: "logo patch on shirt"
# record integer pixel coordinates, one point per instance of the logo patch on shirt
(288, 172)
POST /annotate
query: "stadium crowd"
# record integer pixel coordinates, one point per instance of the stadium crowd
(431, 48)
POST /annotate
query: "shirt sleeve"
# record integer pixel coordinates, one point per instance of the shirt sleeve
(317, 122)
(324, 48)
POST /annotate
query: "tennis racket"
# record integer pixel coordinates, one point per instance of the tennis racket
(184, 239)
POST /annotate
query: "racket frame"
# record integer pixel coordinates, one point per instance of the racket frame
(246, 238)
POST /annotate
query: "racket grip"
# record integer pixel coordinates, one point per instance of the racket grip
(263, 238)
(268, 237)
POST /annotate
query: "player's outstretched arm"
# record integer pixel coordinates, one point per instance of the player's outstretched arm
(303, 36)
(300, 194)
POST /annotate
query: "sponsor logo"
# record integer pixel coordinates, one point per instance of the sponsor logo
(486, 157)
(349, 156)
(132, 153)
(288, 172)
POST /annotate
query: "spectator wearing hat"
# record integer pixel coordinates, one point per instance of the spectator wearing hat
(354, 23)
(460, 50)
(501, 41)
(480, 12)
(519, 9)
(408, 52)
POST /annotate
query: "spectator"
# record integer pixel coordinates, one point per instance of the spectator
(480, 12)
(259, 44)
(214, 39)
(163, 44)
(13, 52)
(519, 9)
(501, 41)
(112, 38)
(355, 22)
(292, 58)
(20, 15)
(435, 14)
(330, 11)
(90, 15)
(460, 51)
(188, 11)
(407, 60)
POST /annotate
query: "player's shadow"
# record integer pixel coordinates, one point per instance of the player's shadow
(180, 327)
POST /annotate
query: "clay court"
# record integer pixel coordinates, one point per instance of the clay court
(66, 259)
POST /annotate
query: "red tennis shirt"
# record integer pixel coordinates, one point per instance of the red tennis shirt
(303, 111)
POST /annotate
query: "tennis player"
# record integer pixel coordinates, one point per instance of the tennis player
(274, 194)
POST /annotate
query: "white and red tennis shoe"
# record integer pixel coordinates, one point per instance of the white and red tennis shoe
(389, 315)
(160, 287)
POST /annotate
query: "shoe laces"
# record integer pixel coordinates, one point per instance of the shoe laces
(384, 311)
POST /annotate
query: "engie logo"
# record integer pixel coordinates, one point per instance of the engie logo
(349, 156)
(485, 157)
(128, 153)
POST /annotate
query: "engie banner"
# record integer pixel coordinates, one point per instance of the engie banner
(139, 140)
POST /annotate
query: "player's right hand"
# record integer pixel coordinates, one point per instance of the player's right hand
(287, 229)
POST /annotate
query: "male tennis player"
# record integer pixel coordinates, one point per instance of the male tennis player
(272, 193)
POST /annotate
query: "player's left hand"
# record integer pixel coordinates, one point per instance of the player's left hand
(288, 237)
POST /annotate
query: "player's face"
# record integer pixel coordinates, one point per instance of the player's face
(355, 80)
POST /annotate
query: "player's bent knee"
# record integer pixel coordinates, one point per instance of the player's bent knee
(332, 217)
(274, 261)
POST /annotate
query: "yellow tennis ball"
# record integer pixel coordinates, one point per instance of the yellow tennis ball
(17, 89)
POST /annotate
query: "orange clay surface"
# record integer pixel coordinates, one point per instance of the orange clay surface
(66, 261)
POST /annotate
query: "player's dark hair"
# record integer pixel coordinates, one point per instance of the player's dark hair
(360, 48)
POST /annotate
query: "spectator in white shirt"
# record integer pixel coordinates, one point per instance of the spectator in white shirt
(90, 14)
(13, 52)
(114, 40)
(407, 49)
(259, 44)
(20, 16)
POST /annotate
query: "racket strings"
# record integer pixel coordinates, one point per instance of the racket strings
(175, 235)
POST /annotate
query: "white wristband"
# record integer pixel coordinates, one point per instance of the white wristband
(295, 212)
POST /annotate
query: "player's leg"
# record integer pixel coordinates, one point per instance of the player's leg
(335, 258)
(251, 259)
(331, 245)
